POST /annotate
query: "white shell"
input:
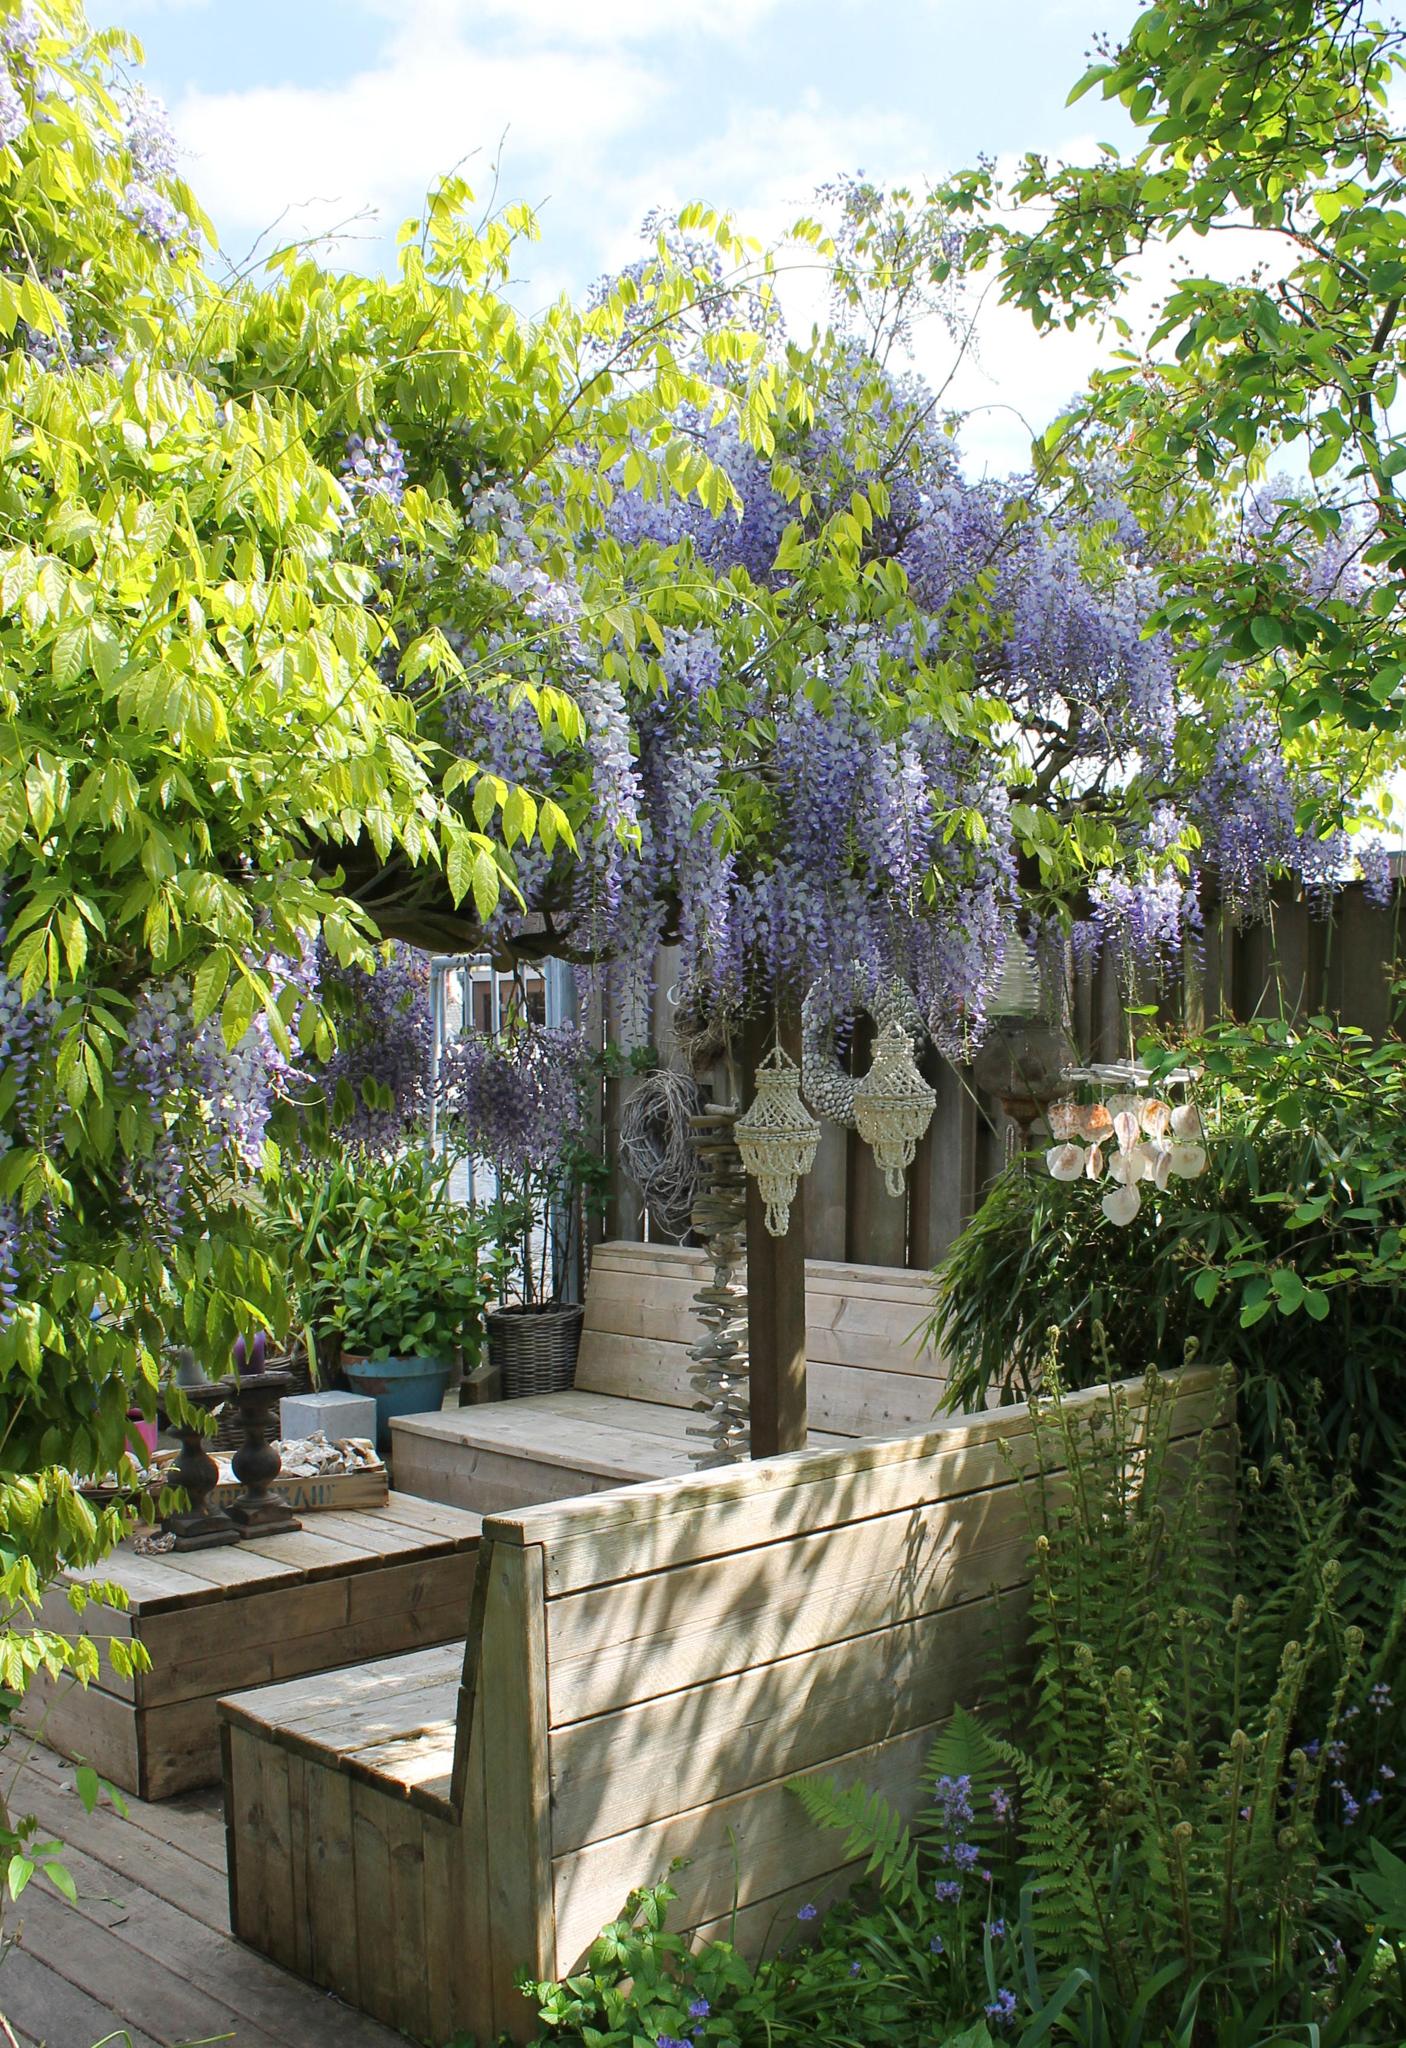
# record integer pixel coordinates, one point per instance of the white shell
(1122, 1204)
(1188, 1161)
(1161, 1166)
(1186, 1121)
(1097, 1122)
(1066, 1162)
(1123, 1168)
(1154, 1116)
(1066, 1121)
(1093, 1165)
(1125, 1125)
(1144, 1157)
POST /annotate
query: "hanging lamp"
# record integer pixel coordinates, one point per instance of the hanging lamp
(777, 1138)
(893, 1105)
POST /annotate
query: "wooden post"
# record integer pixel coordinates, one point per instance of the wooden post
(776, 1281)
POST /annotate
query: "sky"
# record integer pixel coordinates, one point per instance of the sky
(311, 115)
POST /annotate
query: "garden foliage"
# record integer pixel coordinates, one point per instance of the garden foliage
(1169, 1826)
(1287, 1261)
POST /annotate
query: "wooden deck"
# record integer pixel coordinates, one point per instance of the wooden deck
(146, 1957)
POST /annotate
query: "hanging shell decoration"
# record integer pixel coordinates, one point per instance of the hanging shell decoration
(778, 1138)
(1130, 1138)
(893, 1105)
(825, 1084)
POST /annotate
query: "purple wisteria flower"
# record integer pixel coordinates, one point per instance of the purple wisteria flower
(374, 464)
(808, 1913)
(20, 32)
(14, 116)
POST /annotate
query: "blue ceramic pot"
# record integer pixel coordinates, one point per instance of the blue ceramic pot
(399, 1386)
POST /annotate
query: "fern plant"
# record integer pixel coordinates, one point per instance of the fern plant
(1156, 1833)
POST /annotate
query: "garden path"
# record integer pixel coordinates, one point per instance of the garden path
(146, 1957)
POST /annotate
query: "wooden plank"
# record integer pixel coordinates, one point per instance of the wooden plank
(612, 1645)
(465, 1851)
(192, 1651)
(87, 1725)
(404, 1826)
(640, 1764)
(876, 1222)
(371, 1902)
(46, 2008)
(175, 1874)
(942, 1185)
(844, 1400)
(660, 1311)
(825, 1199)
(764, 1926)
(276, 1903)
(137, 1990)
(669, 1521)
(511, 1702)
(330, 1882)
(250, 1988)
(687, 1263)
(244, 1811)
(495, 1482)
(753, 1845)
(179, 1747)
(373, 1703)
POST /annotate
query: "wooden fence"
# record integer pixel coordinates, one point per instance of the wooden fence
(1296, 962)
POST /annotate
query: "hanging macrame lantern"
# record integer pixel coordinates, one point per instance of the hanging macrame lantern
(893, 1105)
(777, 1138)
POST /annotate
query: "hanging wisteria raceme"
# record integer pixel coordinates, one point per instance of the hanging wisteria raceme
(379, 1080)
(515, 1099)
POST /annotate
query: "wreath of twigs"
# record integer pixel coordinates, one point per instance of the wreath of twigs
(656, 1145)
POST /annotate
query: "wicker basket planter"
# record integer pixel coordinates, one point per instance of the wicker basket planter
(534, 1347)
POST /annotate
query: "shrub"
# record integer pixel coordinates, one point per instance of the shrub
(1286, 1262)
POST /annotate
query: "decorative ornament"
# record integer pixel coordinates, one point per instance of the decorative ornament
(719, 1354)
(1024, 1058)
(778, 1137)
(824, 1082)
(1188, 1161)
(1120, 1205)
(1066, 1162)
(656, 1146)
(893, 1105)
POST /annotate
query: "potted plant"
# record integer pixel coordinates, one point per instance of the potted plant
(404, 1284)
(517, 1102)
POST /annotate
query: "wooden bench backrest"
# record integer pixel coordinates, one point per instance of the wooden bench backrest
(870, 1372)
(648, 1668)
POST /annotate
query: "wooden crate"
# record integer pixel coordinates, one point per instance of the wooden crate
(342, 1491)
(361, 1585)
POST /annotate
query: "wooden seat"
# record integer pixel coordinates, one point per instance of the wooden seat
(647, 1670)
(632, 1412)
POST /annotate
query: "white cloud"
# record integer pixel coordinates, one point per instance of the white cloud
(376, 142)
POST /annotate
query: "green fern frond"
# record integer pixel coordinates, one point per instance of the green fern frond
(873, 1828)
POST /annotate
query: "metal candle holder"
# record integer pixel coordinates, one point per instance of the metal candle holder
(257, 1510)
(200, 1526)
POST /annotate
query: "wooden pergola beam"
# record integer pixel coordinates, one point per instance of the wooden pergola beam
(776, 1282)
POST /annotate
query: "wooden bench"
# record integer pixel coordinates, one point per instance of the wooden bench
(346, 1587)
(628, 1416)
(645, 1671)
